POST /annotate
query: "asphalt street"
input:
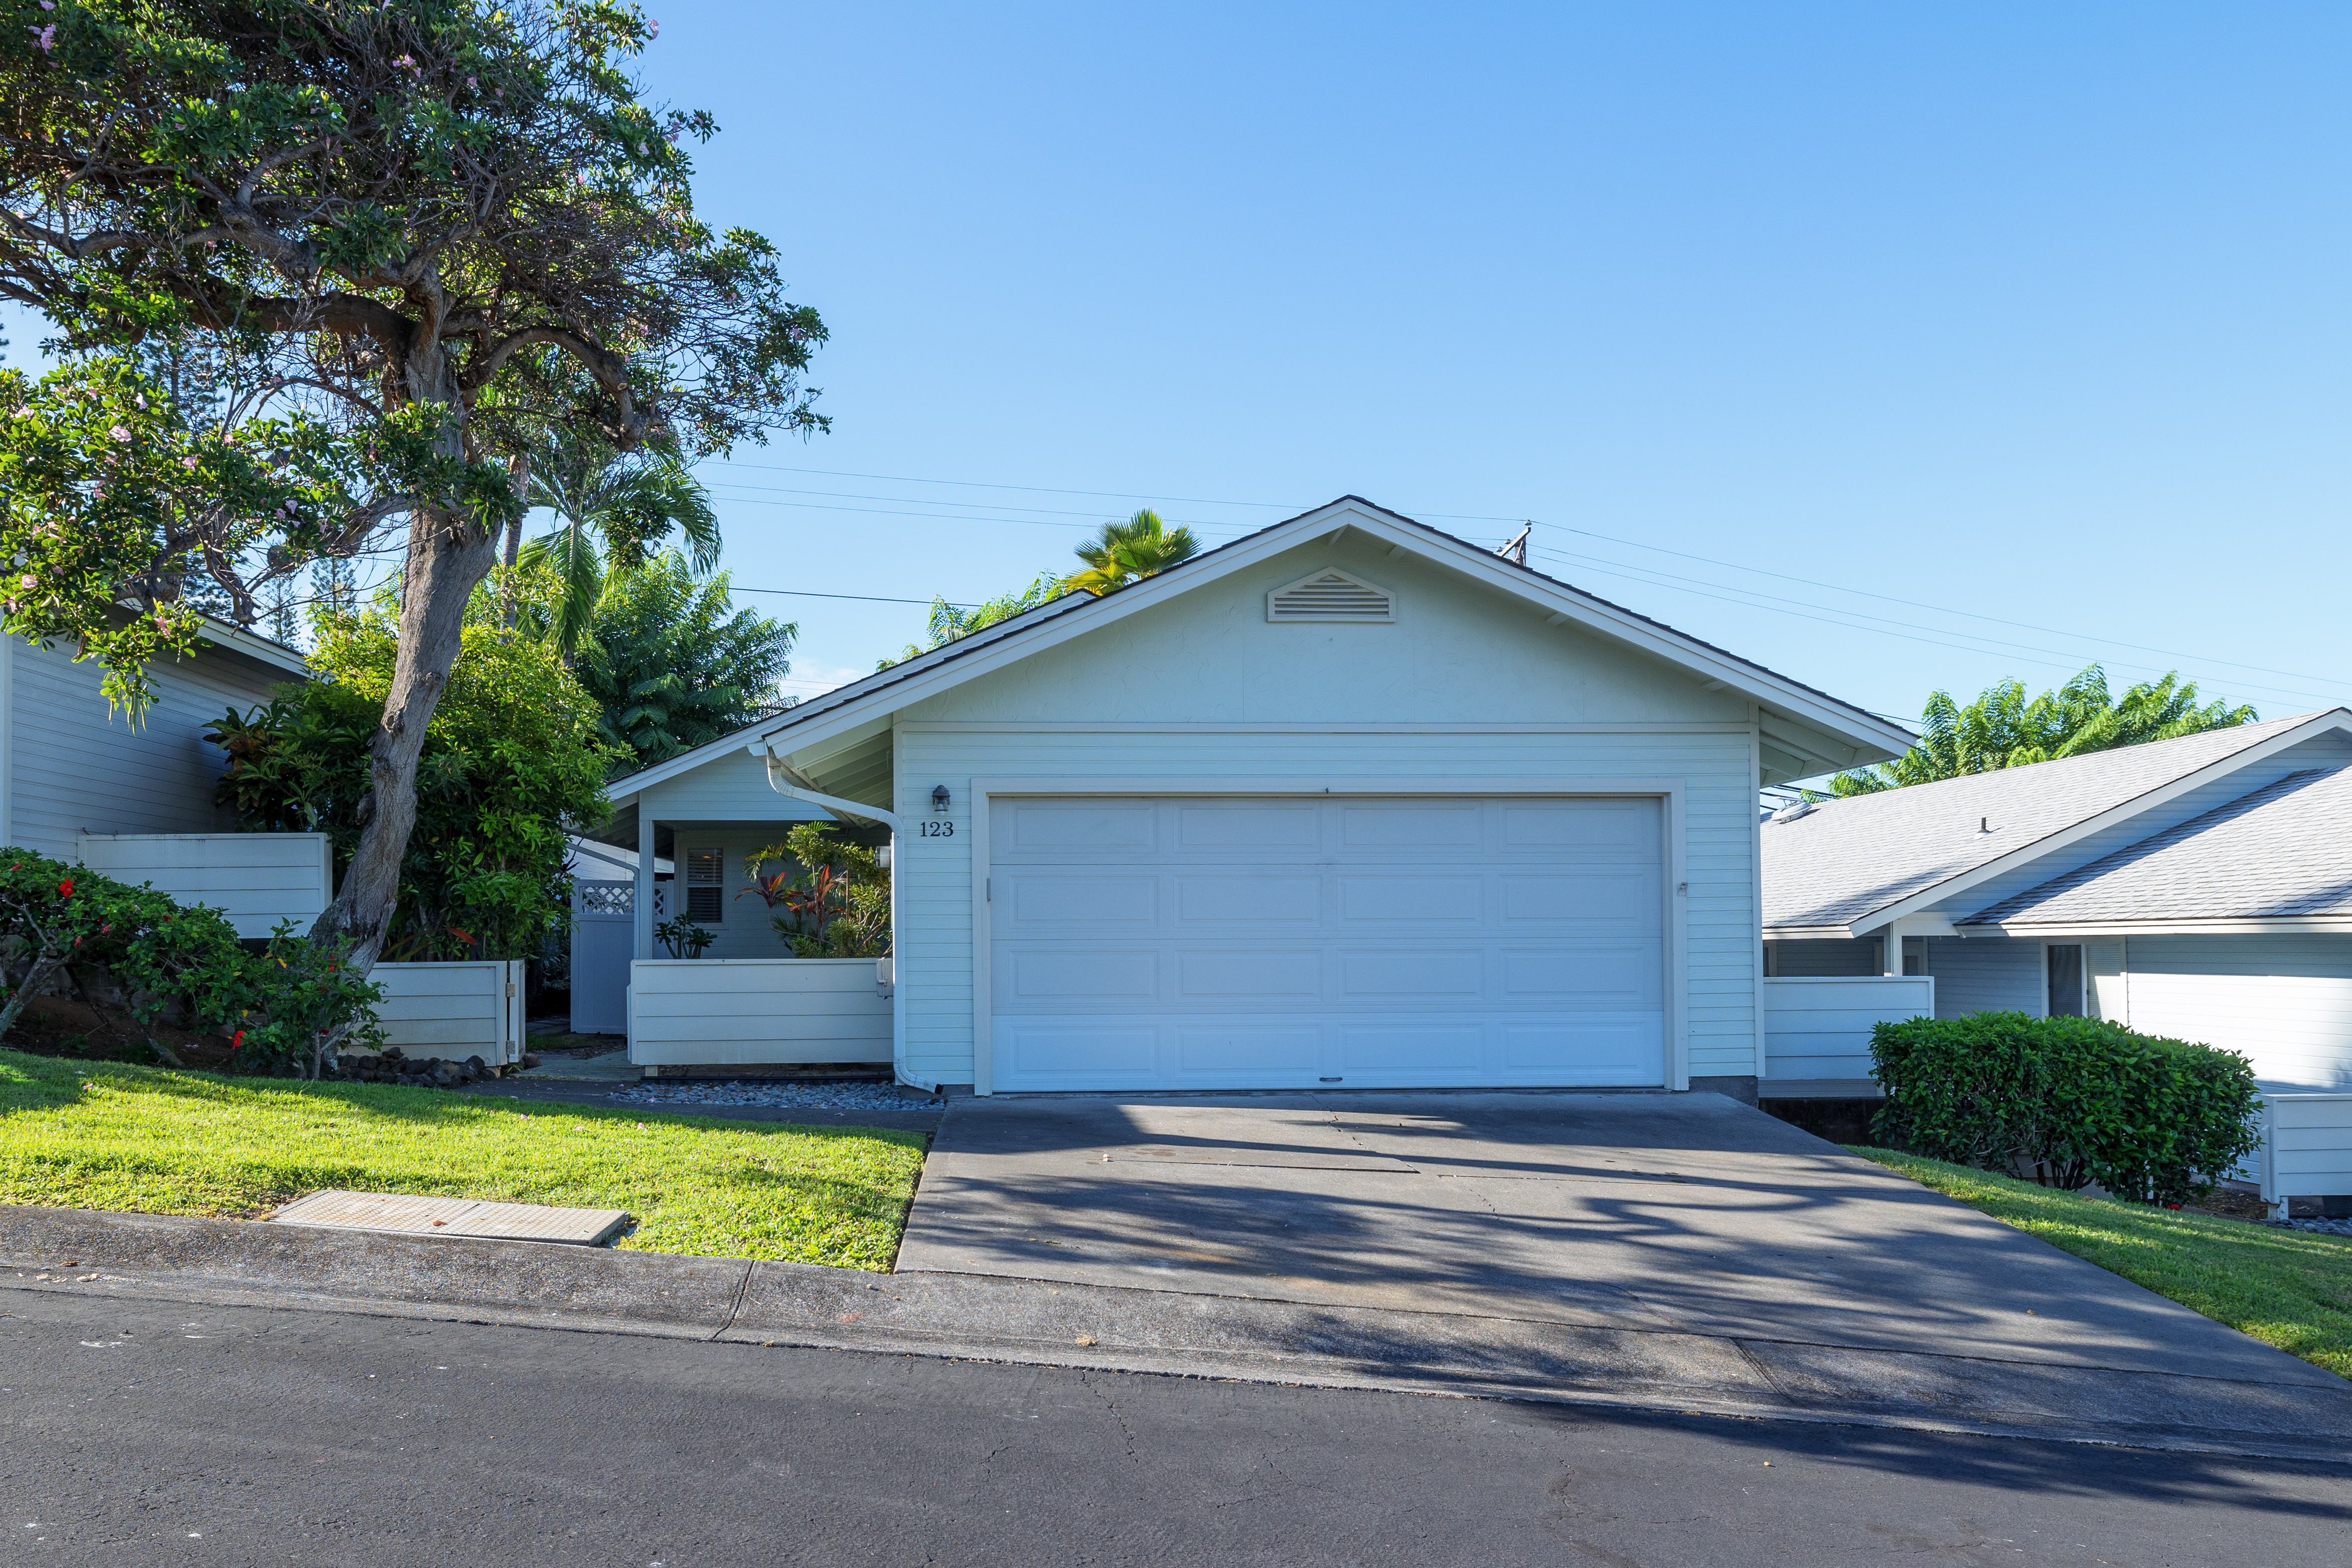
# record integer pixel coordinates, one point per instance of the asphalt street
(139, 1432)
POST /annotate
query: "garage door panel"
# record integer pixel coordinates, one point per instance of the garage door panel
(1205, 944)
(1085, 900)
(1625, 829)
(1416, 829)
(1251, 1052)
(1419, 899)
(1387, 974)
(1617, 897)
(1602, 976)
(1102, 828)
(1080, 1050)
(1049, 975)
(1431, 1050)
(1207, 825)
(1629, 1048)
(1293, 975)
(1255, 897)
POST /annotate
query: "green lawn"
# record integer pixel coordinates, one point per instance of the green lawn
(2290, 1289)
(105, 1135)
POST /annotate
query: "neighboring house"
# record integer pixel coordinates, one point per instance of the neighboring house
(2199, 888)
(81, 782)
(1346, 802)
(69, 766)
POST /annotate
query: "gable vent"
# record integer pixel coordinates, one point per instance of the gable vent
(1330, 596)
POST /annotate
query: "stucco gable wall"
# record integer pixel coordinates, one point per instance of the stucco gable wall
(1458, 652)
(2331, 750)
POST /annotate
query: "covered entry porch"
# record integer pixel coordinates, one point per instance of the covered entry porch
(740, 997)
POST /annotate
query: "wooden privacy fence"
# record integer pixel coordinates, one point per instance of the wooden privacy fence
(1817, 1028)
(255, 879)
(466, 1007)
(724, 1012)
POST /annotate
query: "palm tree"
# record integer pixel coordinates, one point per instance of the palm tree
(612, 511)
(1126, 552)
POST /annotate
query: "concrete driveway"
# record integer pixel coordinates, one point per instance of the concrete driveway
(1686, 1214)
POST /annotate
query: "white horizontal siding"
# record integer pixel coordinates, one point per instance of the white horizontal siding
(935, 873)
(2306, 1147)
(256, 879)
(1819, 1027)
(455, 1009)
(2285, 1001)
(74, 767)
(1986, 974)
(727, 1012)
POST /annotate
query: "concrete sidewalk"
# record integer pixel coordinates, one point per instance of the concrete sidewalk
(1034, 1321)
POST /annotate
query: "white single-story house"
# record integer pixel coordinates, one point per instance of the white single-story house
(1348, 801)
(2199, 888)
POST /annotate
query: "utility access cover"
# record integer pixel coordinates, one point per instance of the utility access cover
(409, 1215)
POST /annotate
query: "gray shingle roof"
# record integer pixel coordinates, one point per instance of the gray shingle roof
(2285, 849)
(1846, 860)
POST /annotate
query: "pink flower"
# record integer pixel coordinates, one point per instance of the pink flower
(473, 85)
(29, 580)
(44, 38)
(653, 29)
(187, 463)
(404, 60)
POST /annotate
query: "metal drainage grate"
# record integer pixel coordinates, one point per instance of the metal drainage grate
(401, 1214)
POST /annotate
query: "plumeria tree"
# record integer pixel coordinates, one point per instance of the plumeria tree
(435, 230)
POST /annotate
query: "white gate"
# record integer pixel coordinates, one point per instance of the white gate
(468, 1007)
(604, 941)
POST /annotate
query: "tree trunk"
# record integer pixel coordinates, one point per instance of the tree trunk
(518, 475)
(446, 558)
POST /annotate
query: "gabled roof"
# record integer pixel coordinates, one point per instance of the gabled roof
(1803, 724)
(1851, 865)
(2280, 854)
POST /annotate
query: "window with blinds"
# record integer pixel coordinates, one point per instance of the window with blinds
(705, 886)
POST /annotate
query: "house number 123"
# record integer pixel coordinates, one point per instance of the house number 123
(938, 828)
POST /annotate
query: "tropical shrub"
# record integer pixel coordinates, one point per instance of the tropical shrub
(290, 1007)
(683, 937)
(672, 663)
(2079, 1099)
(837, 905)
(512, 765)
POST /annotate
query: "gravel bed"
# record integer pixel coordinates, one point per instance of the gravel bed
(2324, 1226)
(836, 1095)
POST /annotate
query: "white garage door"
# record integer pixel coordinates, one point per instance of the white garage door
(1223, 943)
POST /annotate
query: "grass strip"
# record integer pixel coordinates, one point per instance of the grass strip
(2290, 1289)
(110, 1137)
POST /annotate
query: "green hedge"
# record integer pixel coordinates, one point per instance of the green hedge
(2082, 1100)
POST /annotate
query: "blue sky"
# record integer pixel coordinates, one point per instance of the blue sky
(2037, 313)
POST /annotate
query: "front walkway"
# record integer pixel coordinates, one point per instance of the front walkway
(1686, 1214)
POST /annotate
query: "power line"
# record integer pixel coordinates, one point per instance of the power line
(868, 598)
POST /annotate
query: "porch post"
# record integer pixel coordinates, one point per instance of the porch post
(1893, 955)
(644, 902)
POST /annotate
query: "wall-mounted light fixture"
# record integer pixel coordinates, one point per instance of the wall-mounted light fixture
(939, 800)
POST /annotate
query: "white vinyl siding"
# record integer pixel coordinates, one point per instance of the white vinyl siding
(1817, 1028)
(1986, 974)
(2283, 1001)
(454, 1009)
(74, 767)
(1713, 769)
(1217, 942)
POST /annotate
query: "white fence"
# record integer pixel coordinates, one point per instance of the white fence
(1817, 1028)
(469, 1008)
(255, 879)
(724, 1012)
(2306, 1148)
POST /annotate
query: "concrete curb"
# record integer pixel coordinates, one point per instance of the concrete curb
(1107, 1328)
